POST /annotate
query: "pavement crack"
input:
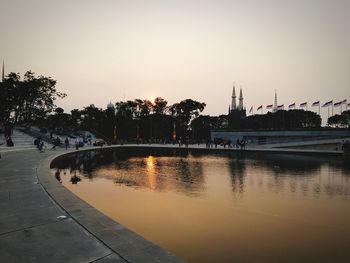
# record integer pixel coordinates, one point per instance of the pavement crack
(98, 259)
(27, 228)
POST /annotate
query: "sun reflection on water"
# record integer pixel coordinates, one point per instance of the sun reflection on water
(151, 171)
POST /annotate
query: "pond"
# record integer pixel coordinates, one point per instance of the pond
(220, 207)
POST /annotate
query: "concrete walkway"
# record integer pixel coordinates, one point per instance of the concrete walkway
(41, 221)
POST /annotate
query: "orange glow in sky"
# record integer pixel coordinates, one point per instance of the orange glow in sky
(108, 50)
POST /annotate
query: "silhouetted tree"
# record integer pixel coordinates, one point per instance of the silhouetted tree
(187, 109)
(27, 101)
(159, 105)
(202, 125)
(292, 119)
(340, 120)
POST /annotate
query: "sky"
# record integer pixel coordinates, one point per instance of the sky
(110, 50)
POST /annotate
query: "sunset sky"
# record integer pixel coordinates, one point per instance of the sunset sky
(102, 51)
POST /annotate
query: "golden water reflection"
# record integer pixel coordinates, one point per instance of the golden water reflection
(223, 208)
(151, 171)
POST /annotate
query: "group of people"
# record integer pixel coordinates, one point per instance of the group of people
(39, 143)
(240, 144)
(56, 142)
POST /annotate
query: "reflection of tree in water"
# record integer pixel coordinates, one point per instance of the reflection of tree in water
(288, 164)
(180, 170)
(237, 174)
(286, 169)
(75, 179)
(342, 164)
(162, 174)
(303, 174)
(85, 163)
(58, 175)
(189, 176)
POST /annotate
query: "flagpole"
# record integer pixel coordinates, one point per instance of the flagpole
(328, 113)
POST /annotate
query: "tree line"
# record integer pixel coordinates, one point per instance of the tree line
(279, 120)
(31, 100)
(340, 120)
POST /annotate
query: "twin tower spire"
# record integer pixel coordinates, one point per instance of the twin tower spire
(240, 100)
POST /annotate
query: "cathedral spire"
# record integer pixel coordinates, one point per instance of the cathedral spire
(240, 103)
(233, 102)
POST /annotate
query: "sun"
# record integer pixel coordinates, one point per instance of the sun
(151, 98)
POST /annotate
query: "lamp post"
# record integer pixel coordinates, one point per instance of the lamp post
(174, 132)
(136, 117)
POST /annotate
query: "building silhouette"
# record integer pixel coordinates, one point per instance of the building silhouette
(236, 114)
(234, 109)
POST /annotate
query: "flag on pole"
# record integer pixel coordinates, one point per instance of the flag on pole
(316, 103)
(260, 107)
(269, 106)
(302, 105)
(291, 105)
(328, 103)
(251, 109)
(340, 103)
(337, 104)
(280, 107)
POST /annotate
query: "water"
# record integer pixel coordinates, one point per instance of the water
(221, 208)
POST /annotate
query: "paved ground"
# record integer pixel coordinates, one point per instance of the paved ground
(30, 226)
(35, 227)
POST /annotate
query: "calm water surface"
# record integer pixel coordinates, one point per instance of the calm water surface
(221, 208)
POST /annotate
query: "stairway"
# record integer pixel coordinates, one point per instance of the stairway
(21, 141)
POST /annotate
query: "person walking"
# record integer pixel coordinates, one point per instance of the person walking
(56, 142)
(243, 142)
(41, 146)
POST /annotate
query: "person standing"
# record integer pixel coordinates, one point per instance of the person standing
(77, 144)
(66, 143)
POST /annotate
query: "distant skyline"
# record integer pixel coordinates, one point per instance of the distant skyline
(102, 51)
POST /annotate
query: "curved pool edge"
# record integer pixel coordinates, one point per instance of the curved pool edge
(122, 241)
